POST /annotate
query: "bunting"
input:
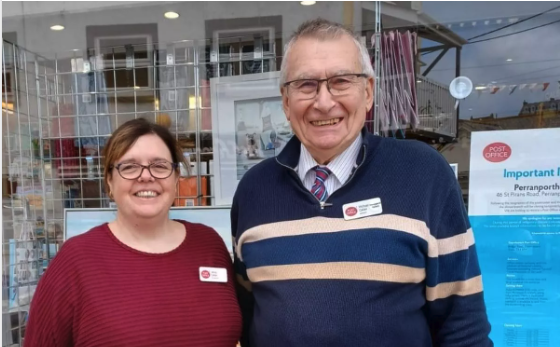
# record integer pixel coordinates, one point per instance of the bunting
(512, 88)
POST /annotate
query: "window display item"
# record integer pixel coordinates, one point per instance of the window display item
(92, 109)
(24, 271)
(62, 123)
(188, 193)
(174, 100)
(398, 106)
(249, 125)
(68, 164)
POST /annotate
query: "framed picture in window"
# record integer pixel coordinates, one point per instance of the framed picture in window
(248, 126)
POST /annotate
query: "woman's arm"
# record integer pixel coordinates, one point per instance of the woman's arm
(52, 311)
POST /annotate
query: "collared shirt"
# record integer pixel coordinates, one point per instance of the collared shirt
(341, 167)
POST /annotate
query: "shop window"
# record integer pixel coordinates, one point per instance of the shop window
(244, 45)
(7, 84)
(128, 54)
(126, 60)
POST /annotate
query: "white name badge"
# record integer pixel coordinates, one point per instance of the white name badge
(212, 274)
(361, 209)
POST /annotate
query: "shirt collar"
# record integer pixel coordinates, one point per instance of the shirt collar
(341, 167)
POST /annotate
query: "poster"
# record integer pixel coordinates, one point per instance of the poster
(248, 126)
(78, 221)
(261, 131)
(514, 209)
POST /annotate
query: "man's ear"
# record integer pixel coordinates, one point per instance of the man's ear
(285, 103)
(369, 93)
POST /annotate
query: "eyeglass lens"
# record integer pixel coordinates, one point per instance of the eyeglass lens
(159, 170)
(337, 85)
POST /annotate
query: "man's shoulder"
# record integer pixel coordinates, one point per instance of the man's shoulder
(413, 151)
(413, 161)
(261, 170)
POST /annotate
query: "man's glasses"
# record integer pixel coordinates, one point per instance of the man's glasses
(336, 85)
(132, 171)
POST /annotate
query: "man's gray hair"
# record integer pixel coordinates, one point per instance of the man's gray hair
(323, 29)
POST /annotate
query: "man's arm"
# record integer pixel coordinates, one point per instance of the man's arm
(455, 305)
(242, 285)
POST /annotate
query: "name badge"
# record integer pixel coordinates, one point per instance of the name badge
(212, 274)
(361, 209)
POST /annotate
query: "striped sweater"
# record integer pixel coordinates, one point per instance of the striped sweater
(408, 276)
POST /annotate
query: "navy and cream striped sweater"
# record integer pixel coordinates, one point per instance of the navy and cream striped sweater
(406, 277)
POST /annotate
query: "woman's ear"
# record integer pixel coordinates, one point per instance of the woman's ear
(110, 186)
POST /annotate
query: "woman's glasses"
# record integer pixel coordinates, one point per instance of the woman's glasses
(159, 170)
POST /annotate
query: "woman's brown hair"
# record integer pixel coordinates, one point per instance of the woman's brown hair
(127, 134)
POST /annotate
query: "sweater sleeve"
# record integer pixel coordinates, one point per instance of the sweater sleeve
(243, 286)
(455, 302)
(51, 315)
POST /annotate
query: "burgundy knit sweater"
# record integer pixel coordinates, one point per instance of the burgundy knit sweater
(99, 292)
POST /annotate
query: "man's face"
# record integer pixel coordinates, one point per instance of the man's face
(326, 124)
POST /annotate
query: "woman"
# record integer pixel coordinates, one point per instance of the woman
(141, 279)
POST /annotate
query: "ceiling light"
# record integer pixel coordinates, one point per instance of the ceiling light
(480, 88)
(509, 59)
(171, 15)
(57, 27)
(308, 3)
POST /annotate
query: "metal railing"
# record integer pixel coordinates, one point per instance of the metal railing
(436, 108)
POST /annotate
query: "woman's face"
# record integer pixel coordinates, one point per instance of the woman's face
(145, 196)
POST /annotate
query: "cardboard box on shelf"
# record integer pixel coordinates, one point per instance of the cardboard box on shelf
(188, 192)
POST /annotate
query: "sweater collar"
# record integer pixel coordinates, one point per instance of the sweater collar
(290, 154)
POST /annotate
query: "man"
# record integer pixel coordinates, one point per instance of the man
(349, 239)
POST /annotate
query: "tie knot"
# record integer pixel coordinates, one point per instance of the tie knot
(322, 172)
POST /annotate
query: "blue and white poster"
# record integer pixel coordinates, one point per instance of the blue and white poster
(514, 209)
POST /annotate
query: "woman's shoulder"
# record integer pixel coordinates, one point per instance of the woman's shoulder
(95, 233)
(77, 245)
(69, 260)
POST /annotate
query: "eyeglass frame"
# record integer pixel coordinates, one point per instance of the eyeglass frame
(321, 80)
(147, 167)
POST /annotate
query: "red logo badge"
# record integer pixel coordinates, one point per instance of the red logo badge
(497, 152)
(351, 211)
(205, 274)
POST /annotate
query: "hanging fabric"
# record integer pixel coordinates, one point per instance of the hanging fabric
(174, 97)
(92, 108)
(65, 153)
(398, 107)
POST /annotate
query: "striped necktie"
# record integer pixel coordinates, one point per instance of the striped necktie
(319, 189)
